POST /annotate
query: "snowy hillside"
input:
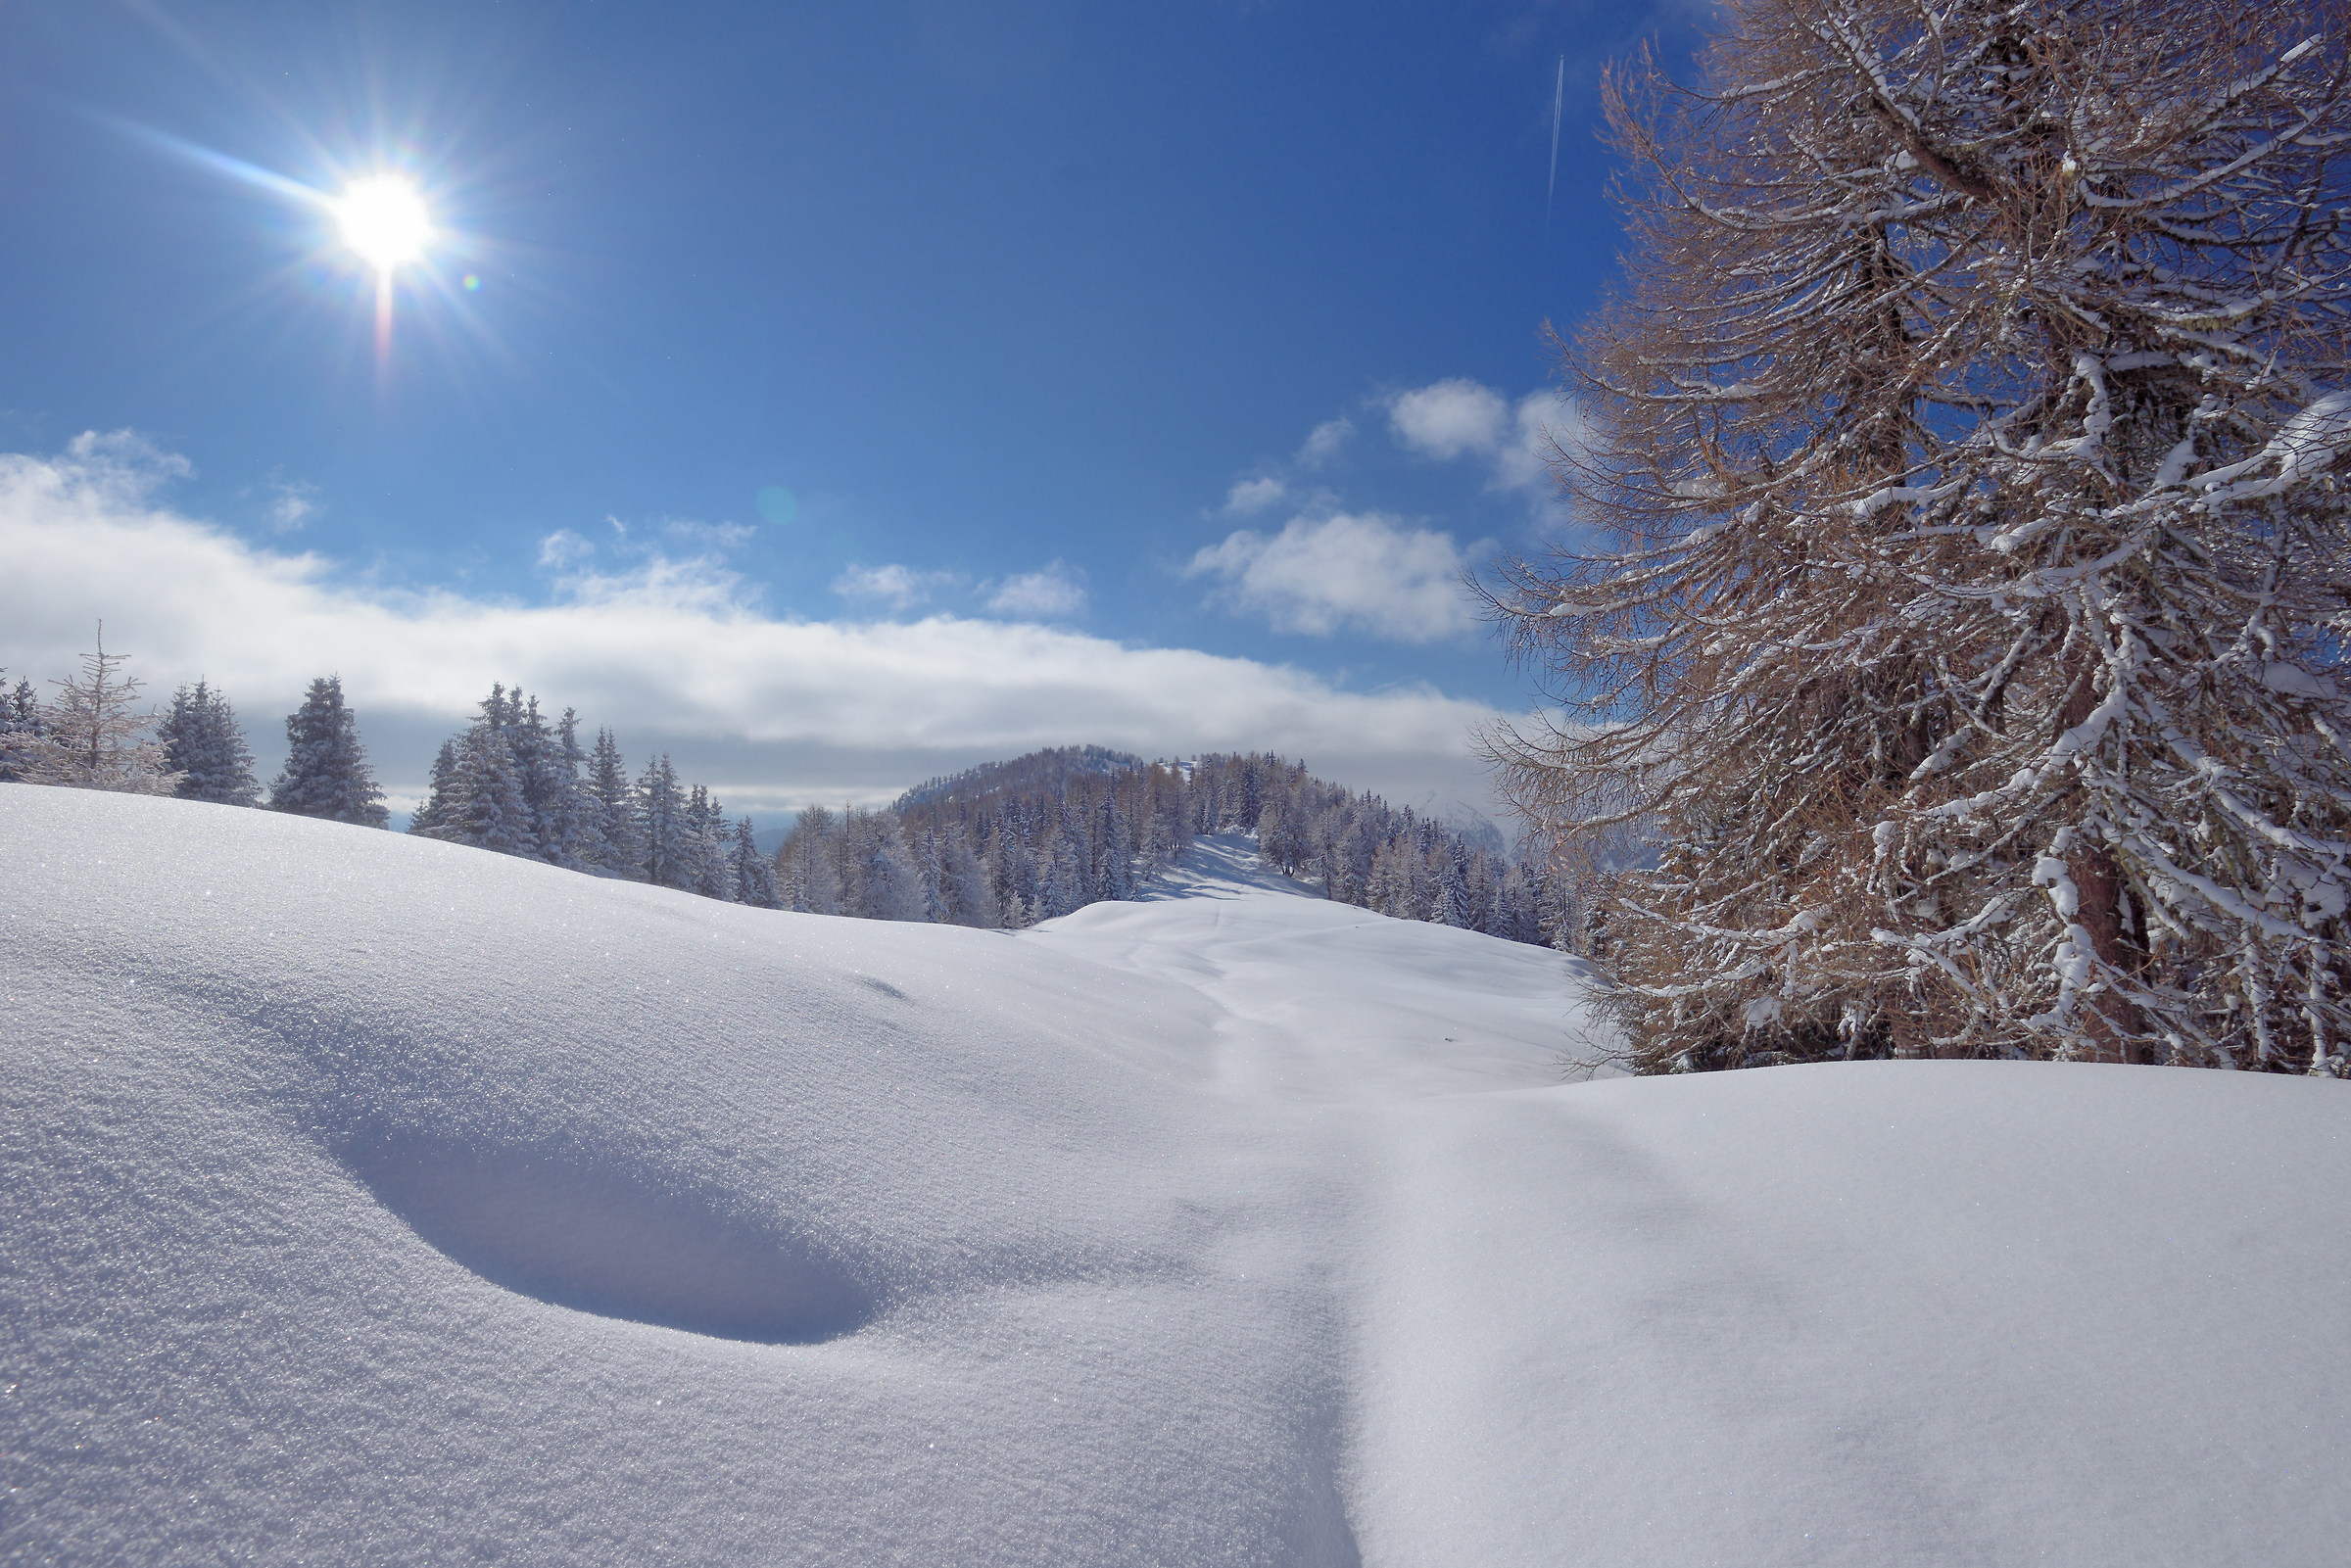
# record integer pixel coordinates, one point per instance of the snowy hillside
(371, 1199)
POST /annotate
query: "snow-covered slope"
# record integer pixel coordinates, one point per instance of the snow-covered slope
(377, 1200)
(1317, 999)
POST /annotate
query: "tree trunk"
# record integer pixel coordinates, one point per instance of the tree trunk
(2114, 1027)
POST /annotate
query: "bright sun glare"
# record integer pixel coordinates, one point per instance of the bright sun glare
(384, 220)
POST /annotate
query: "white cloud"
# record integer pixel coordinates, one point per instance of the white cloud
(1323, 442)
(1364, 572)
(1054, 592)
(1448, 418)
(1249, 496)
(1458, 418)
(773, 713)
(901, 588)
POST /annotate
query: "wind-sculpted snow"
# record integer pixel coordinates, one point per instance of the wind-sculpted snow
(377, 1200)
(603, 1237)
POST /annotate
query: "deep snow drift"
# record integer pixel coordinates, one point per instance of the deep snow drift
(377, 1200)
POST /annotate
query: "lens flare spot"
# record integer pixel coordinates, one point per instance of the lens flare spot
(384, 220)
(778, 505)
(473, 284)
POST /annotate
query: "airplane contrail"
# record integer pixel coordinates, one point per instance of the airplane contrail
(1558, 99)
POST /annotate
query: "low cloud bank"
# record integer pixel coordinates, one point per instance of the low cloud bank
(674, 654)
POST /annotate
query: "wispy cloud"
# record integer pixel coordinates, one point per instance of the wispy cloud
(110, 468)
(577, 561)
(716, 537)
(899, 588)
(1325, 442)
(1362, 572)
(293, 502)
(563, 549)
(674, 654)
(1248, 497)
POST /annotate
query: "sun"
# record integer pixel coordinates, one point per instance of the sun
(384, 220)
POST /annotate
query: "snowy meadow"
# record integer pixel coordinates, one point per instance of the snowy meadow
(374, 1200)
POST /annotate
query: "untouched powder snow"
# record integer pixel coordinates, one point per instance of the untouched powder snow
(376, 1201)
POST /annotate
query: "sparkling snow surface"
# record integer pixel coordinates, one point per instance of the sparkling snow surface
(375, 1201)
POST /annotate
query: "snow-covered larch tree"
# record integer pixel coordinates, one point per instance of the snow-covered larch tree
(90, 737)
(20, 727)
(1967, 627)
(326, 773)
(204, 745)
(807, 863)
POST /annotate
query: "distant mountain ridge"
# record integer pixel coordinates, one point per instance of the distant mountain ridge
(1007, 844)
(1047, 769)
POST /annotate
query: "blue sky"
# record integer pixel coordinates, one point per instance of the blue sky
(1074, 333)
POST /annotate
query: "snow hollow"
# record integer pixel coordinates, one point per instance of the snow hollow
(371, 1199)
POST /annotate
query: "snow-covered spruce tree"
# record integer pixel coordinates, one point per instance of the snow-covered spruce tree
(547, 772)
(1969, 637)
(326, 772)
(511, 784)
(204, 745)
(661, 829)
(704, 869)
(571, 815)
(444, 800)
(493, 813)
(754, 873)
(89, 738)
(618, 846)
(475, 796)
